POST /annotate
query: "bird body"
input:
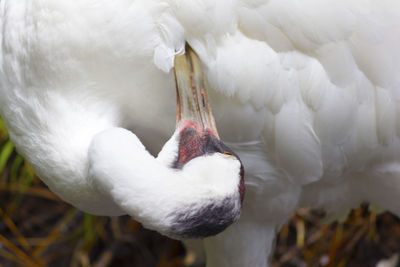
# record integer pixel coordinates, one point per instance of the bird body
(306, 93)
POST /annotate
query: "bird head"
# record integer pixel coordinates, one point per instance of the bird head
(203, 157)
(194, 188)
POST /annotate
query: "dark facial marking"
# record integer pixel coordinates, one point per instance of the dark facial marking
(208, 220)
(241, 184)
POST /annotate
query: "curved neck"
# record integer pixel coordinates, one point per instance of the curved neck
(178, 203)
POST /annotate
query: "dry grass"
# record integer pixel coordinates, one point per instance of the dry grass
(38, 229)
(362, 240)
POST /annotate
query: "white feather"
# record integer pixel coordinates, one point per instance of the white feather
(307, 93)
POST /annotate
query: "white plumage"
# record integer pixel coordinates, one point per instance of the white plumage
(306, 92)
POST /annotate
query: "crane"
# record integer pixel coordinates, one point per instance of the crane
(304, 95)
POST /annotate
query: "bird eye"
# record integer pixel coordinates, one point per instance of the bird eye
(228, 154)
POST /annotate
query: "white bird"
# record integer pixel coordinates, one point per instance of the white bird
(305, 92)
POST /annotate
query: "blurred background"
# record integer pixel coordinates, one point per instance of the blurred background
(38, 229)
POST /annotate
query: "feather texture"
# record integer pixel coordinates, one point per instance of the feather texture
(307, 93)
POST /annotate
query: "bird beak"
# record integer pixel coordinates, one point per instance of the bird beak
(191, 90)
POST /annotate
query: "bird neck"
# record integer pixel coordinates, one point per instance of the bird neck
(245, 243)
(198, 200)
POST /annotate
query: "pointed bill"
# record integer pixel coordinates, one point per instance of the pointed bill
(191, 89)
